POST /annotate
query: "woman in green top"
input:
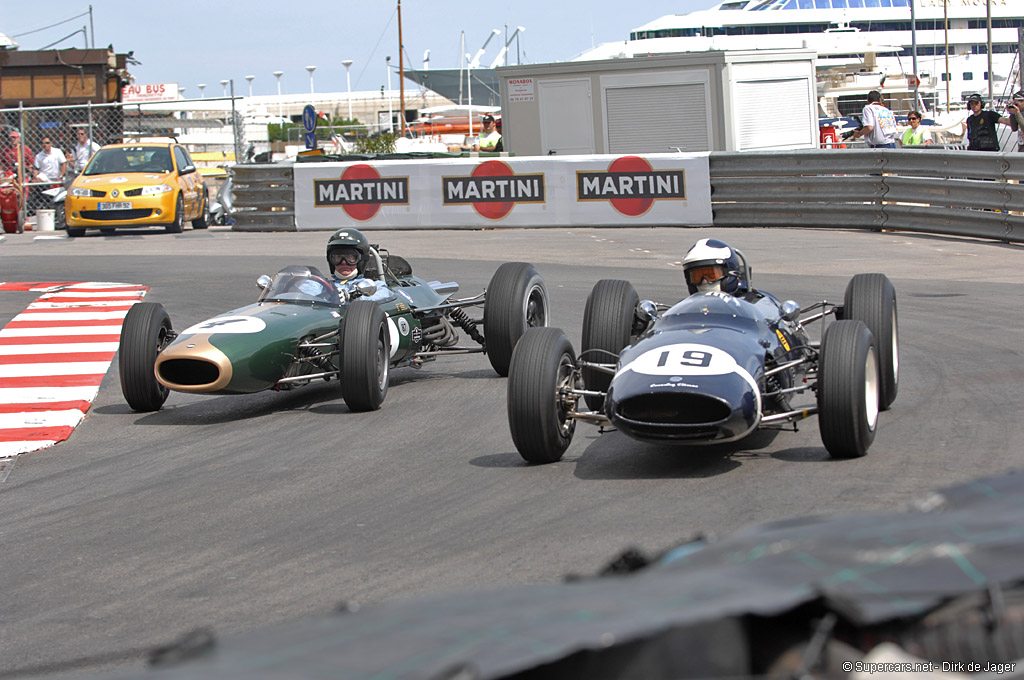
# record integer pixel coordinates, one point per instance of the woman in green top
(915, 135)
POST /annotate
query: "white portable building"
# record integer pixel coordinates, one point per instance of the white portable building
(689, 101)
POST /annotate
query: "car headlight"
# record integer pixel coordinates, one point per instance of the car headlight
(79, 192)
(157, 189)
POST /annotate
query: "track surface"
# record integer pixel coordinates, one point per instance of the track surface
(235, 512)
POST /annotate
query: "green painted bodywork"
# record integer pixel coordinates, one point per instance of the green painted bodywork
(260, 359)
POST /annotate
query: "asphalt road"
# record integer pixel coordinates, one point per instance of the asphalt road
(235, 512)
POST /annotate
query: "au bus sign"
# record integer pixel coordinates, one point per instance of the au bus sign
(158, 92)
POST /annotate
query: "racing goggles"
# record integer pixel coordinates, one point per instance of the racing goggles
(348, 256)
(710, 273)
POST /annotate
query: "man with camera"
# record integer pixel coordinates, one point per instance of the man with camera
(879, 129)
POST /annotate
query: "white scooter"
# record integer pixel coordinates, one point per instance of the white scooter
(222, 209)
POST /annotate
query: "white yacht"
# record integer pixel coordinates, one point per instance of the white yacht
(880, 28)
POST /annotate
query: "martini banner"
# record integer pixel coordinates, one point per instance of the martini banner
(491, 192)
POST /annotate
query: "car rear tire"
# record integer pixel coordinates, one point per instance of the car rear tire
(607, 327)
(178, 225)
(203, 221)
(543, 361)
(365, 351)
(145, 332)
(849, 389)
(871, 298)
(517, 299)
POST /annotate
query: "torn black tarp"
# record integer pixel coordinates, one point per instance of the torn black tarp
(680, 617)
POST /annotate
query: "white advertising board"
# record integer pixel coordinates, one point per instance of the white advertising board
(477, 193)
(159, 92)
(520, 89)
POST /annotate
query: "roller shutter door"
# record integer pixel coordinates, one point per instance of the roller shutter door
(657, 118)
(775, 98)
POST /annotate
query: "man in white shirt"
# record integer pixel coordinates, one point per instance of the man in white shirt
(84, 149)
(879, 129)
(51, 163)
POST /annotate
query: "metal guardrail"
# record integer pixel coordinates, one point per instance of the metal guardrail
(959, 193)
(952, 192)
(264, 197)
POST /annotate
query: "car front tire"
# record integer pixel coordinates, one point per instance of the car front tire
(365, 350)
(517, 299)
(607, 325)
(849, 392)
(145, 332)
(203, 221)
(178, 225)
(871, 298)
(543, 361)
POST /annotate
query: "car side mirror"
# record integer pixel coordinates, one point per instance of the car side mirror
(790, 310)
(188, 169)
(366, 288)
(262, 282)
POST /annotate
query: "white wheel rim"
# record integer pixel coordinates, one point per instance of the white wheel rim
(535, 308)
(871, 389)
(895, 349)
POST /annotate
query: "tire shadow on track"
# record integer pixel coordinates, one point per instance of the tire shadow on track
(320, 398)
(613, 456)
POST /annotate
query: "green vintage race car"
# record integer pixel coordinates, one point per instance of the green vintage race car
(303, 329)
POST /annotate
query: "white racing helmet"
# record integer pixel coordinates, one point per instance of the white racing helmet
(711, 265)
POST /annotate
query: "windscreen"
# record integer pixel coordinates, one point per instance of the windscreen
(301, 284)
(153, 159)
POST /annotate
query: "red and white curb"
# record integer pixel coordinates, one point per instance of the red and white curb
(53, 357)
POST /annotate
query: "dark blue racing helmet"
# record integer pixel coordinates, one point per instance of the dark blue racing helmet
(711, 265)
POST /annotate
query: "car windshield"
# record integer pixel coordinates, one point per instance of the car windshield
(156, 159)
(301, 284)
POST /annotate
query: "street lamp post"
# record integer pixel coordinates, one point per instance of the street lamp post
(391, 115)
(250, 79)
(278, 74)
(311, 69)
(202, 88)
(348, 83)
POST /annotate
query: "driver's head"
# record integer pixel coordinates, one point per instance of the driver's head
(711, 265)
(347, 250)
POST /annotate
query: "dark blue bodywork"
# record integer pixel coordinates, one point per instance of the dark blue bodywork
(698, 374)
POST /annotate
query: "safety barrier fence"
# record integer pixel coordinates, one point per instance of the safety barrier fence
(960, 193)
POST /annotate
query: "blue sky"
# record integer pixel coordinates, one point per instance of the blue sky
(192, 42)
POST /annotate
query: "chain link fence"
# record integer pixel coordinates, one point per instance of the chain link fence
(44, 148)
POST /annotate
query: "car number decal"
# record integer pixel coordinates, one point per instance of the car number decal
(683, 359)
(691, 360)
(227, 324)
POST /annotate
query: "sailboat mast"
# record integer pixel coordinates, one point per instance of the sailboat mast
(401, 73)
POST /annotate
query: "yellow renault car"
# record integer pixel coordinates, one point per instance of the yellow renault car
(138, 184)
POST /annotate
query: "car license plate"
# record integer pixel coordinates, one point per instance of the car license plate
(123, 205)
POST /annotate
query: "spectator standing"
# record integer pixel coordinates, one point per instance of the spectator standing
(51, 163)
(981, 126)
(915, 135)
(879, 129)
(84, 149)
(489, 136)
(9, 158)
(1016, 111)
